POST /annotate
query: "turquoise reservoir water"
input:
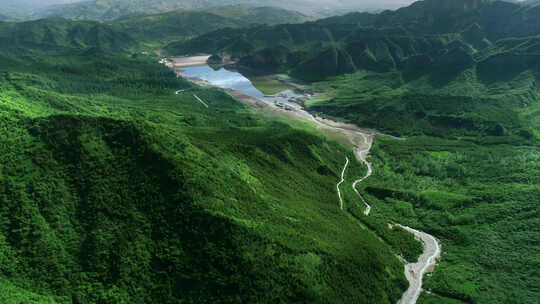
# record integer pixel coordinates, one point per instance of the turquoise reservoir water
(226, 79)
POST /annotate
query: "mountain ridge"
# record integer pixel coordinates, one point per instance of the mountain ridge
(381, 42)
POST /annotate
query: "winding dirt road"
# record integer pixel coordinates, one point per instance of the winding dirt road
(341, 182)
(362, 156)
(414, 272)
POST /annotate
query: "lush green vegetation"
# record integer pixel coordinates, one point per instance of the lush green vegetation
(402, 242)
(58, 35)
(244, 11)
(459, 79)
(135, 32)
(107, 10)
(115, 190)
(268, 85)
(157, 29)
(465, 106)
(248, 14)
(448, 36)
(481, 201)
(182, 24)
(468, 172)
(472, 182)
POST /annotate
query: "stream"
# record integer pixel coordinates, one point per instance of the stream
(226, 79)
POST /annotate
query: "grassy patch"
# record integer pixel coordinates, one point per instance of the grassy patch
(268, 86)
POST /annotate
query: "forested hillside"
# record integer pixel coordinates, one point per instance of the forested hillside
(183, 24)
(459, 80)
(259, 14)
(116, 190)
(9, 14)
(134, 32)
(177, 25)
(433, 33)
(106, 10)
(58, 34)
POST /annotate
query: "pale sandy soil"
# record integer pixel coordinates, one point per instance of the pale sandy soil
(426, 263)
(189, 61)
(341, 182)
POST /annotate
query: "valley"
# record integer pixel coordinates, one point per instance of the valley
(157, 183)
(360, 140)
(294, 153)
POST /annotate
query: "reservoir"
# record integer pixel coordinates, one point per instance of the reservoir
(226, 79)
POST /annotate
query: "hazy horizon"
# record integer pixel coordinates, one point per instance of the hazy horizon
(30, 4)
(326, 4)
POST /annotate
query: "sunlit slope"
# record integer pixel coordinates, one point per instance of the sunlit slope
(57, 34)
(183, 24)
(107, 10)
(248, 14)
(172, 25)
(122, 191)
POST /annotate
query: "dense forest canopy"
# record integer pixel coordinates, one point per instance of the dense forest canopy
(116, 187)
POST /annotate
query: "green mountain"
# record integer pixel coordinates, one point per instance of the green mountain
(428, 32)
(132, 30)
(9, 14)
(181, 24)
(106, 10)
(496, 19)
(62, 34)
(176, 25)
(459, 80)
(112, 9)
(259, 15)
(340, 48)
(116, 190)
(531, 2)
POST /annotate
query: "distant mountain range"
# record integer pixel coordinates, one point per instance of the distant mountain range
(128, 31)
(181, 24)
(248, 14)
(107, 10)
(9, 14)
(104, 10)
(427, 33)
(5, 17)
(58, 34)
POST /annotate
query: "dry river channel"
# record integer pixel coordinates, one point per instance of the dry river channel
(360, 139)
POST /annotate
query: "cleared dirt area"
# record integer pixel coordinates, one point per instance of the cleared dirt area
(426, 263)
(189, 61)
